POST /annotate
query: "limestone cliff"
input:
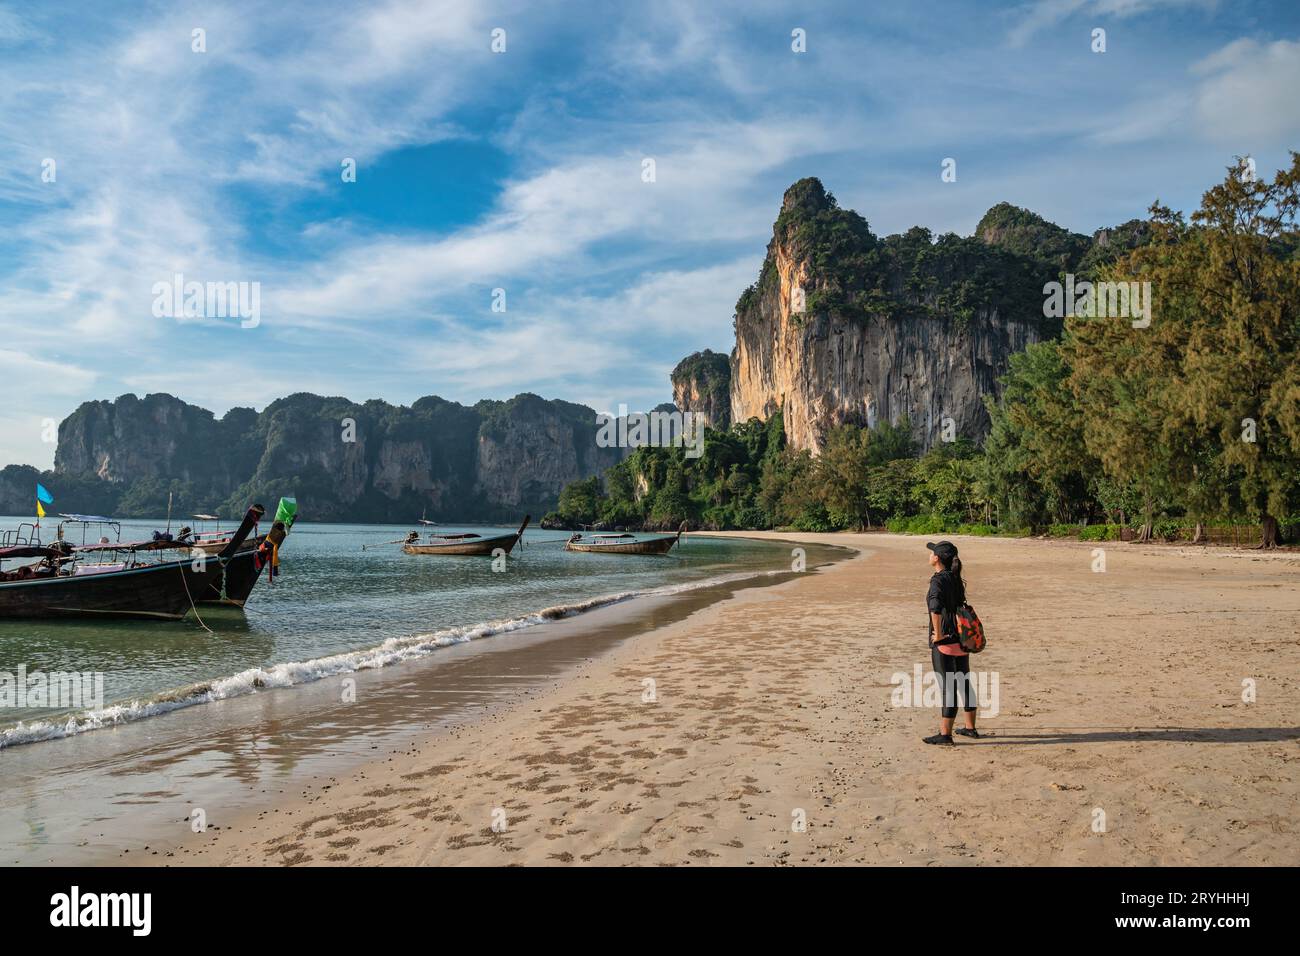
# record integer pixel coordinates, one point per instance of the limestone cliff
(343, 460)
(843, 326)
(702, 386)
(155, 437)
(528, 449)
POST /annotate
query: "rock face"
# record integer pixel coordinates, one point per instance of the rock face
(702, 386)
(845, 327)
(156, 437)
(528, 449)
(342, 460)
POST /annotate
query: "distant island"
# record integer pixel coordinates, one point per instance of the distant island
(344, 461)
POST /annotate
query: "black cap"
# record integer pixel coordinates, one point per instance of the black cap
(946, 550)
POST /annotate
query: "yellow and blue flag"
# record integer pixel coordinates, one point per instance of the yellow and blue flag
(43, 497)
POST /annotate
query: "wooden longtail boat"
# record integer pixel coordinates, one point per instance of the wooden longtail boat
(62, 585)
(624, 543)
(209, 540)
(241, 572)
(463, 543)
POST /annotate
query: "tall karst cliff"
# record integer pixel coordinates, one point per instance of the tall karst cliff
(843, 326)
(343, 460)
(702, 386)
(157, 437)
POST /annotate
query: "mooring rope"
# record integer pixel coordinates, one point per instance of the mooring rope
(181, 567)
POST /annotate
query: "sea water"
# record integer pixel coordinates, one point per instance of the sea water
(337, 607)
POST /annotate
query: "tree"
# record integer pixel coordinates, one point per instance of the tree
(1241, 362)
(893, 488)
(1037, 468)
(889, 442)
(580, 501)
(1211, 385)
(843, 473)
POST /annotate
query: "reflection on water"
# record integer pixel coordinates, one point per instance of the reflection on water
(91, 797)
(333, 598)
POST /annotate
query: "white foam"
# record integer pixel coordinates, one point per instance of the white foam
(394, 650)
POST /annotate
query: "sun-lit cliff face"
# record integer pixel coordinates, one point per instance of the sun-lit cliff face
(843, 326)
(702, 385)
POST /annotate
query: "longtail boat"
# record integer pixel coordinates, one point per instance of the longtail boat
(63, 584)
(242, 571)
(624, 543)
(211, 540)
(463, 543)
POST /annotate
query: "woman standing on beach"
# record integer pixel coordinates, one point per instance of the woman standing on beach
(951, 663)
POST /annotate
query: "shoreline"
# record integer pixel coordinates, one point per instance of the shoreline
(1118, 710)
(252, 749)
(286, 674)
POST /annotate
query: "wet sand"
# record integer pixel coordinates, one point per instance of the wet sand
(127, 793)
(762, 730)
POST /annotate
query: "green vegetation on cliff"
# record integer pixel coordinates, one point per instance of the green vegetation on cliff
(343, 460)
(702, 383)
(855, 274)
(1028, 234)
(1191, 421)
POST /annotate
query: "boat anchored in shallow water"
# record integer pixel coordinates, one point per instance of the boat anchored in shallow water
(242, 571)
(624, 543)
(463, 543)
(65, 583)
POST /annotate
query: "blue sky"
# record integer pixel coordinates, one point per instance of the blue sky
(522, 171)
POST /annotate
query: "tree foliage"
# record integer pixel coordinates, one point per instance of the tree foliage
(1192, 417)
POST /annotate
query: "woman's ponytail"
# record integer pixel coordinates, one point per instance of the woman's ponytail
(955, 568)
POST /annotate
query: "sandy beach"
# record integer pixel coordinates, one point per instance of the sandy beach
(1121, 735)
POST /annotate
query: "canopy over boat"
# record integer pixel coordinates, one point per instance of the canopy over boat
(158, 544)
(28, 551)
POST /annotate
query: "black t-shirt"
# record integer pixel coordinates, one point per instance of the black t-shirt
(943, 598)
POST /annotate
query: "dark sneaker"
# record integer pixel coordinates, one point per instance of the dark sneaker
(938, 739)
(968, 732)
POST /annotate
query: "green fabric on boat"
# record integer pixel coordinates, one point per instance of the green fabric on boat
(287, 511)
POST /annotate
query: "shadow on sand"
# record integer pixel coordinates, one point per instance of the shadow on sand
(1100, 735)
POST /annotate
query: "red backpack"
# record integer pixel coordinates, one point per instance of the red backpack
(970, 632)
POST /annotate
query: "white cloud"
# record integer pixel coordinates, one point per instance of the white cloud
(1040, 15)
(549, 226)
(609, 279)
(46, 389)
(1248, 97)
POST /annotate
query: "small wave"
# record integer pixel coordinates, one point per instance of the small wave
(394, 650)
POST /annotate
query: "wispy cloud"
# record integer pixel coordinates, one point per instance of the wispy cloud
(1041, 15)
(1248, 94)
(224, 166)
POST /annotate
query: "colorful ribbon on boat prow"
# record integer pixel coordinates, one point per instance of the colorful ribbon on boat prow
(268, 552)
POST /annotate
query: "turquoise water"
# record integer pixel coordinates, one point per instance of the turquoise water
(337, 608)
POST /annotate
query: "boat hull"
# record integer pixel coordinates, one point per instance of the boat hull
(166, 590)
(506, 542)
(235, 583)
(648, 546)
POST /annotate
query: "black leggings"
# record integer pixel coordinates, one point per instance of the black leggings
(954, 672)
